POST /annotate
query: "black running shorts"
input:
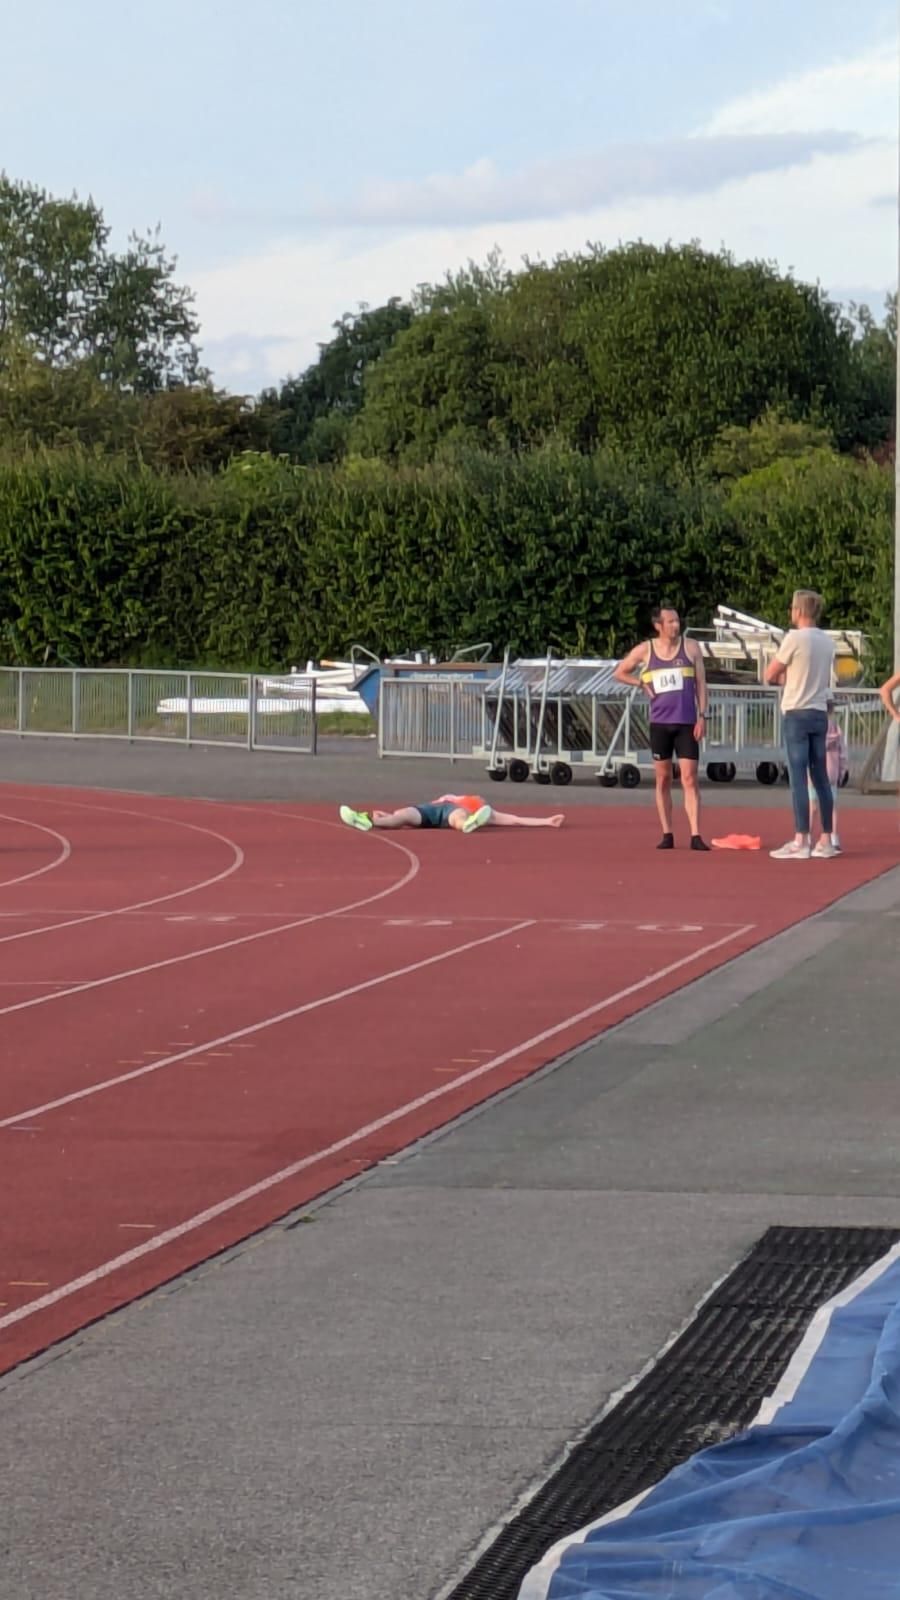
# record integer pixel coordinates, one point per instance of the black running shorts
(673, 739)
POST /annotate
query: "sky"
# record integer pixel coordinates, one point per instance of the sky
(302, 157)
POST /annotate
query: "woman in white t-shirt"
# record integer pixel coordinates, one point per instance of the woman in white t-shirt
(887, 692)
(804, 666)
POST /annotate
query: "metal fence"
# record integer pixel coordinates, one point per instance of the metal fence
(450, 718)
(442, 717)
(173, 707)
(745, 728)
(458, 719)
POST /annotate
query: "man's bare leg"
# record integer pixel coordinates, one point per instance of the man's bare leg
(663, 774)
(691, 787)
(458, 819)
(405, 817)
(505, 819)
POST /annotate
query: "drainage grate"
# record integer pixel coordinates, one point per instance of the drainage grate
(705, 1388)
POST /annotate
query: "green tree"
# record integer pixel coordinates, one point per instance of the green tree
(671, 345)
(739, 451)
(824, 521)
(433, 390)
(192, 430)
(179, 429)
(648, 352)
(472, 285)
(71, 299)
(869, 413)
(54, 407)
(308, 418)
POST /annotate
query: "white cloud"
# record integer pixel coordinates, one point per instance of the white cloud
(860, 94)
(482, 193)
(824, 218)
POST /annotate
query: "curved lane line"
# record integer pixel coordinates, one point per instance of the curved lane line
(213, 949)
(139, 905)
(64, 853)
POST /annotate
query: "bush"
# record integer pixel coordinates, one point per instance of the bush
(266, 563)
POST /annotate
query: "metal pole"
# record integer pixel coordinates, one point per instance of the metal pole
(897, 446)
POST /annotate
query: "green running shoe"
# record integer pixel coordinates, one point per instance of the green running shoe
(356, 819)
(477, 819)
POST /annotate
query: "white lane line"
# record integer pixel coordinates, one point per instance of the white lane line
(226, 944)
(138, 905)
(191, 1224)
(258, 1027)
(63, 854)
(422, 919)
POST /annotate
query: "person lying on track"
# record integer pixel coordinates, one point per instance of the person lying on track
(464, 812)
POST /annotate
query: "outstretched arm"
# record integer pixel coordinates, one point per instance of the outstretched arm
(887, 692)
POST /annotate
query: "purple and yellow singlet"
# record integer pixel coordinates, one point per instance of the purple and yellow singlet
(673, 683)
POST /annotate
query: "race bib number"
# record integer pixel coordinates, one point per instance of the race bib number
(667, 680)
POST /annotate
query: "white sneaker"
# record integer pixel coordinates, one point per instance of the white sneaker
(825, 850)
(791, 852)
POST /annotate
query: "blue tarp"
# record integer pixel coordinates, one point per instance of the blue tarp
(805, 1505)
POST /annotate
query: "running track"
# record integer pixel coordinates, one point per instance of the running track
(212, 1013)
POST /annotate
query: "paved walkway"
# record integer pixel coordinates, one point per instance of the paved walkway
(344, 770)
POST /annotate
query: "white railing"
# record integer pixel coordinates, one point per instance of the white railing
(431, 717)
(450, 718)
(172, 707)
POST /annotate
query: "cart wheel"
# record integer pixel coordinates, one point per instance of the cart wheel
(518, 771)
(541, 777)
(608, 780)
(785, 775)
(729, 772)
(767, 773)
(629, 776)
(561, 773)
(497, 774)
(714, 772)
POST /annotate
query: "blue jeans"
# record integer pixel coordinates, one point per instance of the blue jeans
(804, 737)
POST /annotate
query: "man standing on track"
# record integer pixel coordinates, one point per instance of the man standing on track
(670, 670)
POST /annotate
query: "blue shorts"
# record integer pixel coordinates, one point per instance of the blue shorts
(437, 815)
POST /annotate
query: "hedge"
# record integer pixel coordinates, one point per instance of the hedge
(265, 564)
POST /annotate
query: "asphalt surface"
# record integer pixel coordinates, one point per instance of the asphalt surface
(348, 1405)
(345, 770)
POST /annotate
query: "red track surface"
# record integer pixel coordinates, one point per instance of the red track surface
(212, 1013)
